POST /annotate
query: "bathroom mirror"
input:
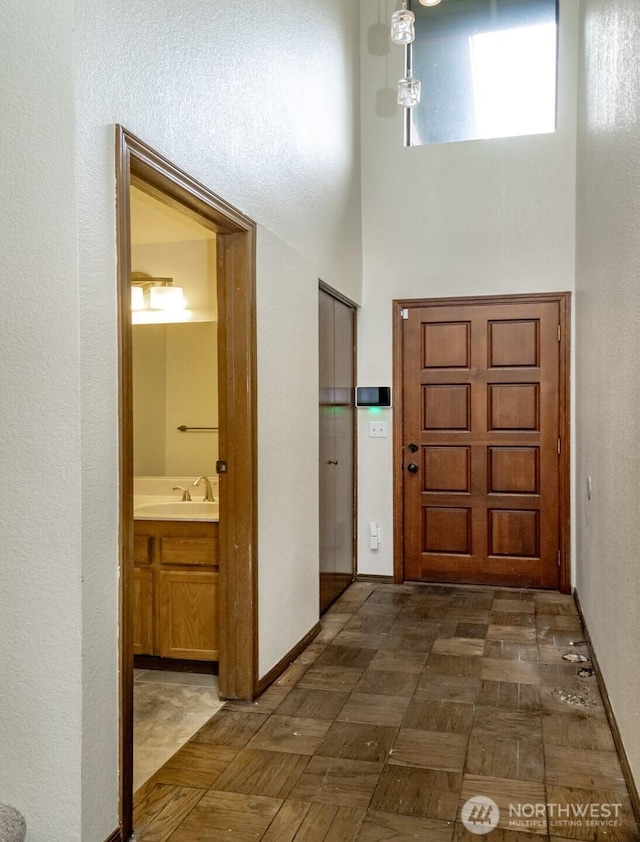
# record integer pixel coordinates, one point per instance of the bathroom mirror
(175, 384)
(175, 358)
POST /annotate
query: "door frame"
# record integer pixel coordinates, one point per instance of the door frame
(563, 299)
(236, 261)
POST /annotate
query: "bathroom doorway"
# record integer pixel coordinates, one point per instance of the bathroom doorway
(162, 589)
(176, 558)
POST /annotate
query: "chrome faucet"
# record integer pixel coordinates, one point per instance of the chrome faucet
(186, 497)
(208, 491)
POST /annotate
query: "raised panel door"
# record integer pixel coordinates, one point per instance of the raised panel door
(481, 385)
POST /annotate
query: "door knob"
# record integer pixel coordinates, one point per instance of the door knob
(412, 448)
(332, 462)
(412, 468)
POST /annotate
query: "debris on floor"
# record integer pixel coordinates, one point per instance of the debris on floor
(578, 642)
(586, 672)
(578, 700)
(574, 657)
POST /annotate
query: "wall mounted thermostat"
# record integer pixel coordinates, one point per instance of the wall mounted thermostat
(373, 395)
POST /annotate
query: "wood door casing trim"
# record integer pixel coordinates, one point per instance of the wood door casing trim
(563, 300)
(238, 439)
(125, 469)
(137, 163)
(337, 295)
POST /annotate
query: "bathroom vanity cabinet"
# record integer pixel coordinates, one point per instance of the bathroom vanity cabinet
(176, 589)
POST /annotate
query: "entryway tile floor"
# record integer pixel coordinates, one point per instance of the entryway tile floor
(168, 708)
(419, 712)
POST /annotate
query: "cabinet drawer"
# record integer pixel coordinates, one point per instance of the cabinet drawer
(142, 549)
(191, 551)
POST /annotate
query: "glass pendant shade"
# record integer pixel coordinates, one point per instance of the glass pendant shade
(137, 298)
(166, 298)
(408, 92)
(429, 2)
(403, 26)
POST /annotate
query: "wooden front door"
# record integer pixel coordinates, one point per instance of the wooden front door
(481, 435)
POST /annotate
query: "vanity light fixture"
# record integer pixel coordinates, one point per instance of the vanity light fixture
(166, 297)
(137, 298)
(162, 294)
(429, 2)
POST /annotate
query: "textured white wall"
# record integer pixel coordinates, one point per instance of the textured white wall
(474, 218)
(288, 442)
(40, 555)
(608, 351)
(259, 102)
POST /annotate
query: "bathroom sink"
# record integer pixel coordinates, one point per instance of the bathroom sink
(177, 510)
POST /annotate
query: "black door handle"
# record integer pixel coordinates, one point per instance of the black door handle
(332, 462)
(413, 468)
(413, 448)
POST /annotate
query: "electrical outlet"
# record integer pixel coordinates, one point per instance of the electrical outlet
(378, 429)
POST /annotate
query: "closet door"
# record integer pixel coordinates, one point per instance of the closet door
(337, 441)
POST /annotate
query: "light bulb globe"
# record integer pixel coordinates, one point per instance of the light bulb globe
(409, 92)
(403, 27)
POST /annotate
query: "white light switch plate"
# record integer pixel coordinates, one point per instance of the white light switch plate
(378, 429)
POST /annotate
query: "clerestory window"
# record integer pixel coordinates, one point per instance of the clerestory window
(487, 69)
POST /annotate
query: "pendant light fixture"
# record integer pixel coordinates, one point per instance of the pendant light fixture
(403, 25)
(409, 92)
(403, 32)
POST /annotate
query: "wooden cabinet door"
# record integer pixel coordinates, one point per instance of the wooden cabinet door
(481, 443)
(337, 427)
(188, 614)
(142, 612)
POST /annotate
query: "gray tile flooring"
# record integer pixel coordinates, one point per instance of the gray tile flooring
(169, 707)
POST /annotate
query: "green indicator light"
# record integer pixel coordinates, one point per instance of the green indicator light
(374, 410)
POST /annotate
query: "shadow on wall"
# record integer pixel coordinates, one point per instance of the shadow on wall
(378, 44)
